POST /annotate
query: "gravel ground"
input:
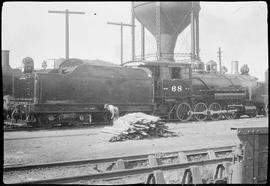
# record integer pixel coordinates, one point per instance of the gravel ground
(92, 143)
(50, 146)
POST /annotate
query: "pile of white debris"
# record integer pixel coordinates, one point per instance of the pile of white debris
(137, 126)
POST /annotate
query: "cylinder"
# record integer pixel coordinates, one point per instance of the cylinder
(5, 59)
(235, 67)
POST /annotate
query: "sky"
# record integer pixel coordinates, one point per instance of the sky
(238, 28)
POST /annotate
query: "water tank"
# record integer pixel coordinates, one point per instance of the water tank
(174, 18)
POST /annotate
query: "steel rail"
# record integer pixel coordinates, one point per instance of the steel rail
(97, 125)
(54, 128)
(139, 157)
(129, 172)
(40, 137)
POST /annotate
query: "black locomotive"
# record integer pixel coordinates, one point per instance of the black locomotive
(77, 91)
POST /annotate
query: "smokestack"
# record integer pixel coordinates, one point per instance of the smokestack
(5, 59)
(235, 67)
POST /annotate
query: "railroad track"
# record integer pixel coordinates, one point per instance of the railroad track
(124, 166)
(14, 128)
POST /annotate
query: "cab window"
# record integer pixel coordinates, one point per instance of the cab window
(179, 73)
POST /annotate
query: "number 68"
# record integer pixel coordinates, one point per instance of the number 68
(177, 88)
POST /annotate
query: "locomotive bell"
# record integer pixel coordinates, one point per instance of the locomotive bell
(211, 66)
(174, 18)
(28, 65)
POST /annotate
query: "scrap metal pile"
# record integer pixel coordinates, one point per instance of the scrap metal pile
(137, 126)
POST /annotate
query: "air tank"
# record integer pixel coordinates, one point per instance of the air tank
(174, 18)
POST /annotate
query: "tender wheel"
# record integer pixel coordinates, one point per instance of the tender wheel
(31, 120)
(252, 115)
(233, 115)
(215, 107)
(42, 120)
(183, 112)
(200, 107)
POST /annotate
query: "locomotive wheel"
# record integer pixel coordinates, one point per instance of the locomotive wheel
(215, 107)
(183, 112)
(200, 107)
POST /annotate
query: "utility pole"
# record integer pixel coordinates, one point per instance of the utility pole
(193, 35)
(121, 32)
(66, 12)
(132, 32)
(142, 43)
(219, 58)
(158, 29)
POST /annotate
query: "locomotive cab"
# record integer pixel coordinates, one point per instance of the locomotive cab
(172, 81)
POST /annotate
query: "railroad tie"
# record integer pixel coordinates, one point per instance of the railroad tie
(182, 157)
(211, 154)
(152, 161)
(120, 164)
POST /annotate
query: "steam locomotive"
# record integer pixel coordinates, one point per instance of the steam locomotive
(77, 91)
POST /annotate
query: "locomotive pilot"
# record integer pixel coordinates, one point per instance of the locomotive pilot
(112, 112)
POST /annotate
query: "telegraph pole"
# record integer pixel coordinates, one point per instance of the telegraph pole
(219, 58)
(132, 32)
(66, 12)
(121, 32)
(158, 38)
(142, 43)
